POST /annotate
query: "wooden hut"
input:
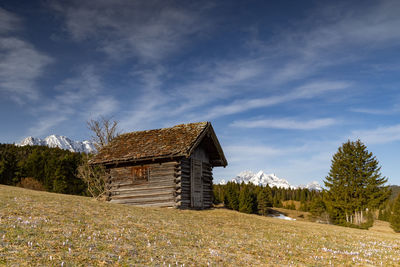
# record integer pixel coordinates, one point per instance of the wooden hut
(169, 167)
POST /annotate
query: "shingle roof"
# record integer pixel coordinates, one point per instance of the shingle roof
(151, 144)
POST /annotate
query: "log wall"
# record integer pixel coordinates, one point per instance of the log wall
(207, 185)
(168, 184)
(183, 182)
(158, 190)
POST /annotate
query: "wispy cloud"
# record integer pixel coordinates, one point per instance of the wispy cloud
(310, 90)
(375, 111)
(149, 30)
(46, 124)
(333, 34)
(380, 135)
(8, 21)
(21, 64)
(310, 159)
(77, 99)
(285, 123)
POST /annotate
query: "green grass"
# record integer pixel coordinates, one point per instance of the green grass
(39, 228)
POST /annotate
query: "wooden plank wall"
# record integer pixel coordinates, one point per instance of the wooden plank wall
(169, 185)
(160, 189)
(183, 183)
(207, 185)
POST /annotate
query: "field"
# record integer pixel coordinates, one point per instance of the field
(39, 228)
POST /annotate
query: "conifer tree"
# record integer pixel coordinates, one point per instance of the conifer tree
(264, 200)
(246, 200)
(354, 184)
(395, 217)
(231, 198)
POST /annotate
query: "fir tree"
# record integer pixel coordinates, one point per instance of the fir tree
(317, 206)
(231, 198)
(354, 184)
(264, 200)
(395, 217)
(247, 201)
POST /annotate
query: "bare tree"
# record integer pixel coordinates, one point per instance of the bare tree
(104, 130)
(94, 177)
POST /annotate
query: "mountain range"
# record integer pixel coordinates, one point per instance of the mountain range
(59, 141)
(263, 179)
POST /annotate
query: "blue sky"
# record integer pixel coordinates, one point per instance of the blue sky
(284, 84)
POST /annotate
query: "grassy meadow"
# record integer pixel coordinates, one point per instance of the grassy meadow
(40, 228)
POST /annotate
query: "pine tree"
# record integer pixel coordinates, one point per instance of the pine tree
(247, 201)
(395, 217)
(317, 206)
(231, 196)
(354, 184)
(264, 200)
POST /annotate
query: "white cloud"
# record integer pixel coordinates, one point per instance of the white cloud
(150, 30)
(380, 135)
(8, 21)
(302, 163)
(21, 64)
(46, 125)
(332, 35)
(285, 123)
(376, 111)
(310, 90)
(102, 106)
(79, 99)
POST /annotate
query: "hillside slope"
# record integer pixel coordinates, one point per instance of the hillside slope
(39, 228)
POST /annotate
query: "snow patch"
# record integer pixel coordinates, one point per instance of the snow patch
(283, 217)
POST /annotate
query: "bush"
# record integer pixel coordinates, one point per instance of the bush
(31, 183)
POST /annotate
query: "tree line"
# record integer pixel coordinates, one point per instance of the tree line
(41, 168)
(355, 193)
(250, 198)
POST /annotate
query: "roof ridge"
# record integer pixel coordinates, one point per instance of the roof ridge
(175, 141)
(166, 128)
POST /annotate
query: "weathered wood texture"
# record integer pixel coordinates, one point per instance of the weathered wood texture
(158, 188)
(194, 179)
(186, 183)
(207, 185)
(183, 182)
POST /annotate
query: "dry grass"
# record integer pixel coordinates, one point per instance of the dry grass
(39, 228)
(297, 204)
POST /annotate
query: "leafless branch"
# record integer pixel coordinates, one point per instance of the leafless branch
(104, 131)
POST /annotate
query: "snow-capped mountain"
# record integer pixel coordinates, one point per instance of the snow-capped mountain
(60, 142)
(261, 178)
(314, 185)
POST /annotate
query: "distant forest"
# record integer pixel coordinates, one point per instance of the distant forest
(249, 198)
(41, 168)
